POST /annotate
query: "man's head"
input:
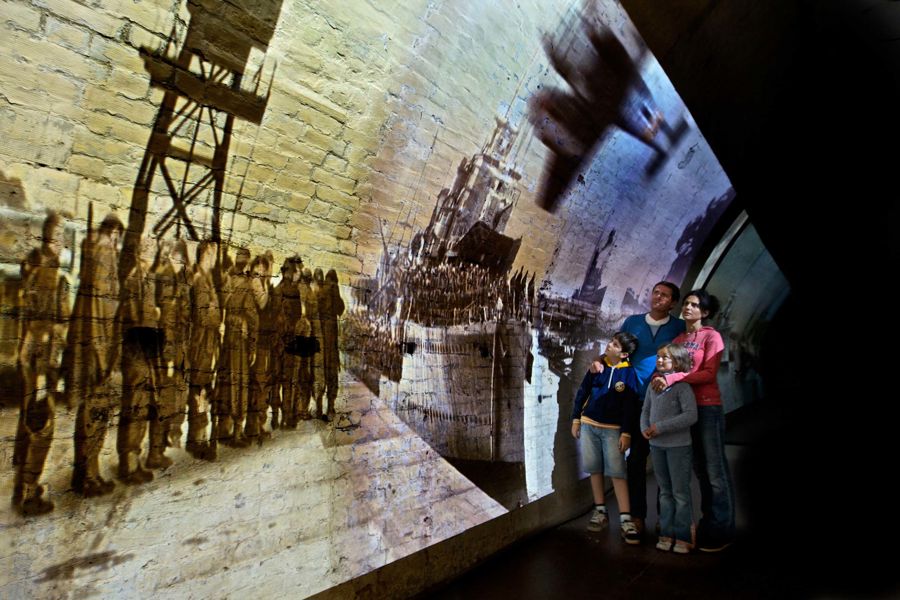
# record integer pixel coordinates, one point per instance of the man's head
(241, 260)
(52, 231)
(179, 255)
(206, 254)
(260, 266)
(111, 228)
(146, 251)
(664, 297)
(290, 269)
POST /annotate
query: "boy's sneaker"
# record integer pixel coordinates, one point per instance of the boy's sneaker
(598, 521)
(639, 523)
(630, 533)
(681, 547)
(664, 544)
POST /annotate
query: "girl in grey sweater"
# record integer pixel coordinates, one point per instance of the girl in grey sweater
(666, 421)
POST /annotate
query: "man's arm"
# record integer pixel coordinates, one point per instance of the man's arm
(645, 413)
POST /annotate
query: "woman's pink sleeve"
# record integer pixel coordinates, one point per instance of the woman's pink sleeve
(708, 367)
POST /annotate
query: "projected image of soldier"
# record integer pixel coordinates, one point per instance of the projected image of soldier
(93, 347)
(141, 348)
(45, 311)
(203, 350)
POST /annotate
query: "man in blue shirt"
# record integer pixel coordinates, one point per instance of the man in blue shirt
(653, 329)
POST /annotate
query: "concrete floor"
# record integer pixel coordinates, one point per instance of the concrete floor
(796, 540)
(572, 562)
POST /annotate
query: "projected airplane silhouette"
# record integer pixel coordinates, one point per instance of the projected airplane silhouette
(605, 90)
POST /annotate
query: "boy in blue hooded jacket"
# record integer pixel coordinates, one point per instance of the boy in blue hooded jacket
(605, 416)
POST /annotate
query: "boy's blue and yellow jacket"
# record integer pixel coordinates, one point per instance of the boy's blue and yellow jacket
(610, 399)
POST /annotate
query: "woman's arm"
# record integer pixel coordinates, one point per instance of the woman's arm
(706, 368)
(709, 367)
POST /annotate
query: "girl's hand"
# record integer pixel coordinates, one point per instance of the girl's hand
(658, 384)
(576, 429)
(624, 443)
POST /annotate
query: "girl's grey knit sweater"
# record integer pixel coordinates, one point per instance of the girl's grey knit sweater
(673, 410)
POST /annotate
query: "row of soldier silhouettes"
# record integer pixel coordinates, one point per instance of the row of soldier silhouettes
(161, 325)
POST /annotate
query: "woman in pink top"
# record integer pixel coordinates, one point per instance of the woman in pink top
(717, 528)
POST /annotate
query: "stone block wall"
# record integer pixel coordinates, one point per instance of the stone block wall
(328, 131)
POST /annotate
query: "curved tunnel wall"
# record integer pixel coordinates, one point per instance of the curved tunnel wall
(332, 133)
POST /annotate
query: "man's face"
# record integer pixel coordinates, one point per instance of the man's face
(115, 235)
(178, 260)
(147, 251)
(241, 261)
(661, 299)
(55, 242)
(208, 260)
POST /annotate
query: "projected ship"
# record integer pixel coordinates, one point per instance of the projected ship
(447, 321)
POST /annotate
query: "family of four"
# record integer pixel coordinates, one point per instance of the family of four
(654, 391)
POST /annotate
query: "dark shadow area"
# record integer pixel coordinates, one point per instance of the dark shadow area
(694, 235)
(832, 244)
(785, 99)
(571, 562)
(502, 481)
(12, 386)
(565, 457)
(99, 561)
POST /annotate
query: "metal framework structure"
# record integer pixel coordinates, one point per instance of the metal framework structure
(187, 153)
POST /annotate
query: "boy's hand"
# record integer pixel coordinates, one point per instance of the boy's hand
(596, 366)
(624, 443)
(576, 429)
(658, 384)
(650, 432)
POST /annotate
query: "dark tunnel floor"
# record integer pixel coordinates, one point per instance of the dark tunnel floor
(571, 562)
